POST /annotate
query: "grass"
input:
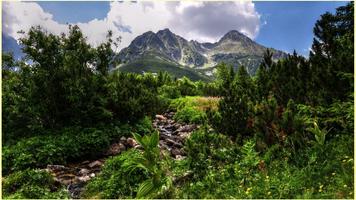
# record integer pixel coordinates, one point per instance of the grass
(191, 109)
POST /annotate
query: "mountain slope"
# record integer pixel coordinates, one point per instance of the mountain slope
(167, 48)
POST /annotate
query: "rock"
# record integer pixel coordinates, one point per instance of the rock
(84, 171)
(180, 157)
(171, 142)
(131, 142)
(176, 152)
(186, 128)
(56, 168)
(116, 149)
(138, 147)
(176, 126)
(96, 163)
(123, 139)
(85, 162)
(184, 135)
(84, 178)
(161, 117)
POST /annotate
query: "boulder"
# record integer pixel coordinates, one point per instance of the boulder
(176, 152)
(84, 178)
(161, 117)
(84, 171)
(186, 128)
(96, 163)
(116, 149)
(131, 142)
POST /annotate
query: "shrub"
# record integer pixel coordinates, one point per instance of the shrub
(115, 180)
(169, 91)
(32, 184)
(192, 109)
(67, 145)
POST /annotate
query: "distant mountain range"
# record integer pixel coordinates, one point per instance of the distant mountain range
(164, 50)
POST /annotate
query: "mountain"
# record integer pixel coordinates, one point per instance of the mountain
(168, 49)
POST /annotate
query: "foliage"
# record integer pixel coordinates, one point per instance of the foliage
(192, 109)
(31, 184)
(158, 181)
(115, 180)
(68, 144)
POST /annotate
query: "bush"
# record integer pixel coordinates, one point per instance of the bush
(32, 184)
(192, 109)
(115, 180)
(169, 91)
(69, 144)
(208, 149)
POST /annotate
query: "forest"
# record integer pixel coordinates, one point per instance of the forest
(74, 128)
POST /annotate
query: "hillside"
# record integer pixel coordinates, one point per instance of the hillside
(167, 48)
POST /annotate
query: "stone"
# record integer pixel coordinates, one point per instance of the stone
(161, 117)
(123, 139)
(175, 152)
(96, 163)
(186, 128)
(131, 142)
(115, 149)
(138, 147)
(84, 178)
(84, 171)
(184, 135)
(56, 168)
(180, 157)
(172, 142)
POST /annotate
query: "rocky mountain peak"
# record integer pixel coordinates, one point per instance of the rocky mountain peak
(234, 35)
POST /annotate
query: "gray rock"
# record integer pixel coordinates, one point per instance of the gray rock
(84, 178)
(161, 117)
(84, 171)
(96, 163)
(131, 142)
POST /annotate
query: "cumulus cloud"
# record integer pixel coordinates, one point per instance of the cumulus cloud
(202, 21)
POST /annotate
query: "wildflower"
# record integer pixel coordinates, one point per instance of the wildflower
(320, 190)
(267, 177)
(350, 193)
(321, 186)
(343, 160)
(333, 173)
(269, 193)
(345, 186)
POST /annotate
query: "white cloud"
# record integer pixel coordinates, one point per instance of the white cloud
(202, 21)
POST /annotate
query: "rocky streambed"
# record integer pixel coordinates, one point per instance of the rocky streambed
(172, 137)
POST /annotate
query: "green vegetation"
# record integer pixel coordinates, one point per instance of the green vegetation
(285, 133)
(192, 109)
(34, 184)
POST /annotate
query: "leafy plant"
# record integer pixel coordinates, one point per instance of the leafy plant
(149, 161)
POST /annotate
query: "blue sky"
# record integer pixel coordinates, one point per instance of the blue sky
(282, 25)
(290, 24)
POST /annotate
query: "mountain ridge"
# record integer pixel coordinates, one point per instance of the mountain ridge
(233, 48)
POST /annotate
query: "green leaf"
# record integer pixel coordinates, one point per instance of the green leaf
(145, 188)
